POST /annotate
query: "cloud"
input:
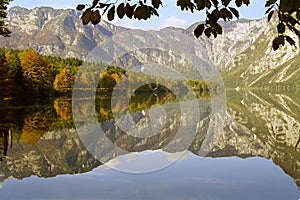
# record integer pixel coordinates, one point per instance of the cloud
(175, 22)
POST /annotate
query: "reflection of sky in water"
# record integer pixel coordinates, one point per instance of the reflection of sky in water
(146, 161)
(191, 178)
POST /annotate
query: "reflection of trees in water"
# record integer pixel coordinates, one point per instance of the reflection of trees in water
(63, 108)
(5, 141)
(36, 124)
(235, 141)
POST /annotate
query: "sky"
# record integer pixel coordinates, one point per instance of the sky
(170, 14)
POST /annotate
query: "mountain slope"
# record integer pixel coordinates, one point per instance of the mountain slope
(260, 66)
(243, 52)
(54, 32)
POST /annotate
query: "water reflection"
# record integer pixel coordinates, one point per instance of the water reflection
(218, 178)
(41, 140)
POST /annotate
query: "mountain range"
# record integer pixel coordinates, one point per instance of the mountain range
(243, 52)
(262, 121)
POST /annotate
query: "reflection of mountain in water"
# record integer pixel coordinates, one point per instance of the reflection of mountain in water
(257, 124)
(263, 124)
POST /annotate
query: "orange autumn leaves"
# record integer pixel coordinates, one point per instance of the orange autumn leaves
(35, 70)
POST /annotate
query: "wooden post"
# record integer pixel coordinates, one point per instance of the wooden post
(10, 137)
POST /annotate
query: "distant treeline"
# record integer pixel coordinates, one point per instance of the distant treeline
(47, 76)
(27, 77)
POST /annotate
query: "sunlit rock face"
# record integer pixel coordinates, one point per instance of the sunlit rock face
(54, 32)
(264, 123)
(247, 132)
(59, 152)
(243, 51)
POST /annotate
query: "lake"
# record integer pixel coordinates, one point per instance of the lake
(243, 147)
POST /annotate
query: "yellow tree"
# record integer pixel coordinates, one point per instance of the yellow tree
(35, 125)
(36, 71)
(64, 80)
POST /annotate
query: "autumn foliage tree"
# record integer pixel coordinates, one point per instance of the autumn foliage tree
(36, 71)
(36, 124)
(63, 108)
(64, 81)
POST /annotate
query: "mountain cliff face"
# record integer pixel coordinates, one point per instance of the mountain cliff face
(54, 32)
(264, 123)
(243, 52)
(58, 152)
(248, 132)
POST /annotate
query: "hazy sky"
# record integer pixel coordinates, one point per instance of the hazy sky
(170, 14)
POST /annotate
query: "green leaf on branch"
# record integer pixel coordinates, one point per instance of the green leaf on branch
(298, 14)
(290, 40)
(102, 5)
(153, 11)
(235, 12)
(281, 40)
(269, 9)
(223, 14)
(186, 5)
(199, 30)
(270, 3)
(270, 15)
(200, 4)
(238, 3)
(286, 5)
(217, 28)
(95, 2)
(296, 4)
(208, 4)
(275, 44)
(229, 14)
(121, 10)
(156, 3)
(216, 2)
(183, 4)
(96, 17)
(246, 2)
(111, 13)
(225, 2)
(129, 10)
(281, 28)
(86, 16)
(208, 32)
(216, 15)
(80, 7)
(142, 12)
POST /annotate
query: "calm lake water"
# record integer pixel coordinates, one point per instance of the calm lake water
(48, 152)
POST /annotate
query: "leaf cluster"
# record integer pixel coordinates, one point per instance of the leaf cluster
(216, 10)
(288, 12)
(138, 10)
